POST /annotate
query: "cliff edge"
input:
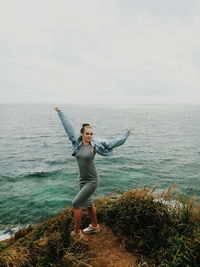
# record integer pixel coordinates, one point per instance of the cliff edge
(138, 228)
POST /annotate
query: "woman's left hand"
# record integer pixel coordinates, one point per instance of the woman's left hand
(130, 131)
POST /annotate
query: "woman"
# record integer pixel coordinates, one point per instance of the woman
(84, 149)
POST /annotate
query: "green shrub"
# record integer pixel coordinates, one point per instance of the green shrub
(167, 234)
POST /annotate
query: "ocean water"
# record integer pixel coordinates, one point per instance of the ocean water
(39, 177)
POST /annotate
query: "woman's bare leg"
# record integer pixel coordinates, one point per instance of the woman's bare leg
(77, 219)
(93, 216)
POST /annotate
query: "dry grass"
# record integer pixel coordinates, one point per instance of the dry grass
(15, 257)
(162, 233)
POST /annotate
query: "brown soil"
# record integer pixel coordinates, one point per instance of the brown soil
(109, 250)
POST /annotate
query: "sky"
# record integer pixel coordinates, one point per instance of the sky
(100, 51)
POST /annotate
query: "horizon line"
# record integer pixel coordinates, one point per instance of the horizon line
(124, 103)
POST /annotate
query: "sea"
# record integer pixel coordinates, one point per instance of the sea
(39, 176)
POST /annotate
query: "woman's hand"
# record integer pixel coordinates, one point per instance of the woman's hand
(130, 131)
(57, 108)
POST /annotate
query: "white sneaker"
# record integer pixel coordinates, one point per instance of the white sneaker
(91, 229)
(77, 235)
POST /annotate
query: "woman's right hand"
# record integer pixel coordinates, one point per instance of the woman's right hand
(57, 108)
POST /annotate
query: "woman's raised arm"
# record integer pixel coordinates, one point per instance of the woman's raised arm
(69, 129)
(120, 140)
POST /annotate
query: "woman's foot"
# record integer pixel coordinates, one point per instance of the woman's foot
(91, 229)
(77, 235)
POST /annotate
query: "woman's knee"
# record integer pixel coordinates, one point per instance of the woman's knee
(75, 203)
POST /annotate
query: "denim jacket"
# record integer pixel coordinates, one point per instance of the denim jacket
(104, 148)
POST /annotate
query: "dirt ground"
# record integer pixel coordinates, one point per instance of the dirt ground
(108, 250)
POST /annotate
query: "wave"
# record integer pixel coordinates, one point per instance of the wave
(55, 162)
(40, 174)
(36, 174)
(6, 231)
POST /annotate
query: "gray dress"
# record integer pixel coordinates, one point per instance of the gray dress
(88, 180)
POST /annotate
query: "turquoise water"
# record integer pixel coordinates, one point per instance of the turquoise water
(39, 177)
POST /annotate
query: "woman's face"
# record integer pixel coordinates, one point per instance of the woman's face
(88, 134)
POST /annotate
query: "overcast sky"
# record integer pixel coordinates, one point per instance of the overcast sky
(100, 51)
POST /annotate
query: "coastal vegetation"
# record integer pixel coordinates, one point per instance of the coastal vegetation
(159, 229)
